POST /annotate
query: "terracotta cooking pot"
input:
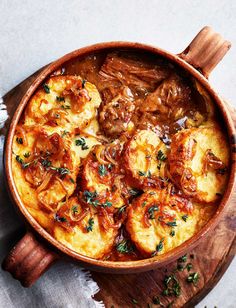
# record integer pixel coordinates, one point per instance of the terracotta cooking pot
(37, 250)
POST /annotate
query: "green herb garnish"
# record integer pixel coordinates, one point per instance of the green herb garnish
(65, 107)
(107, 204)
(89, 197)
(121, 209)
(46, 163)
(60, 98)
(172, 232)
(81, 142)
(171, 223)
(124, 247)
(60, 170)
(20, 161)
(161, 156)
(46, 88)
(59, 218)
(185, 217)
(102, 170)
(19, 140)
(151, 211)
(74, 209)
(89, 227)
(142, 173)
(159, 247)
(27, 154)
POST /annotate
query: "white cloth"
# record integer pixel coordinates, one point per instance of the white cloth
(64, 285)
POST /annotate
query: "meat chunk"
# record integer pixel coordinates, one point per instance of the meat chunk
(114, 116)
(171, 94)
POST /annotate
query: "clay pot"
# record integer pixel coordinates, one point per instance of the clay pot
(37, 250)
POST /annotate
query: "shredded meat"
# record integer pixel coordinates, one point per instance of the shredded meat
(133, 72)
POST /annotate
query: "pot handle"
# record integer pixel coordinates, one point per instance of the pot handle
(206, 50)
(28, 260)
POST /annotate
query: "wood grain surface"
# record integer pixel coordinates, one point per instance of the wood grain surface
(211, 257)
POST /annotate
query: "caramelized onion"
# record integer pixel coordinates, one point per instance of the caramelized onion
(45, 182)
(107, 220)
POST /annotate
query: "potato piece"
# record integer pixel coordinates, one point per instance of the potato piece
(63, 101)
(103, 177)
(161, 220)
(88, 237)
(199, 159)
(145, 158)
(47, 165)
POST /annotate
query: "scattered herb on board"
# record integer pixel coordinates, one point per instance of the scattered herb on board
(180, 267)
(59, 218)
(124, 247)
(161, 156)
(172, 286)
(89, 227)
(102, 170)
(185, 217)
(46, 88)
(151, 211)
(189, 266)
(81, 142)
(182, 259)
(156, 300)
(193, 278)
(134, 301)
(19, 140)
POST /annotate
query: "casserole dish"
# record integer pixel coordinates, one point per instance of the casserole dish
(38, 249)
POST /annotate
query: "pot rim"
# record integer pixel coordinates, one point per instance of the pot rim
(144, 264)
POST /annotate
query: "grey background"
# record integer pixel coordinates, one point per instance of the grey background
(33, 33)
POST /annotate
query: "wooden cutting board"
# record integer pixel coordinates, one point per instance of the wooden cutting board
(211, 258)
